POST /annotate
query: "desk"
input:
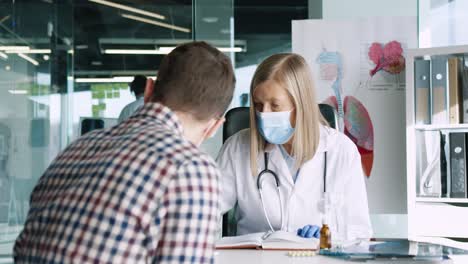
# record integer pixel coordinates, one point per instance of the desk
(247, 256)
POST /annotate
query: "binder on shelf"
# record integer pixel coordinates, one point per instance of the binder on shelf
(464, 88)
(458, 165)
(439, 90)
(455, 93)
(422, 84)
(430, 165)
(444, 173)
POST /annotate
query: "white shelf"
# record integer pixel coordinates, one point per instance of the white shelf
(430, 216)
(441, 127)
(440, 241)
(420, 52)
(441, 200)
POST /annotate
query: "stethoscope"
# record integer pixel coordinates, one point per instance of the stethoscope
(266, 171)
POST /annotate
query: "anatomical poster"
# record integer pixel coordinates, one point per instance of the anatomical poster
(358, 67)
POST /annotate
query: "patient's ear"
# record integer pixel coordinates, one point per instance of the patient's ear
(149, 88)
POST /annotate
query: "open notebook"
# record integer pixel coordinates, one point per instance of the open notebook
(280, 240)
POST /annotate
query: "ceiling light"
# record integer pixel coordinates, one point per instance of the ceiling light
(128, 8)
(66, 41)
(46, 57)
(18, 91)
(225, 31)
(160, 51)
(6, 48)
(8, 67)
(96, 63)
(134, 51)
(31, 60)
(116, 79)
(210, 19)
(233, 49)
(3, 55)
(157, 23)
(5, 18)
(102, 80)
(223, 49)
(166, 49)
(30, 51)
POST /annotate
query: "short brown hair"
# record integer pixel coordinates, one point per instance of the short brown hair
(195, 78)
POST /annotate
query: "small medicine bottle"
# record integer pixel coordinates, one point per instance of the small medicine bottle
(325, 236)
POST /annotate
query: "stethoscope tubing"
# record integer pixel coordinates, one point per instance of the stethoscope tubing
(266, 171)
(278, 184)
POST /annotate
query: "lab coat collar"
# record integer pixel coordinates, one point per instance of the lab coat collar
(276, 163)
(324, 143)
(325, 132)
(281, 167)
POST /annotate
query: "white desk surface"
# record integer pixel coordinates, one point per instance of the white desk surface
(245, 256)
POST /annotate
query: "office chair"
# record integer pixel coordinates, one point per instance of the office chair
(237, 119)
(328, 112)
(90, 124)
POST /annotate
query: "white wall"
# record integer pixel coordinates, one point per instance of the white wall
(382, 96)
(337, 9)
(387, 222)
(443, 23)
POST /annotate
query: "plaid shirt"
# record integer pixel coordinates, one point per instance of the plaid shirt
(135, 193)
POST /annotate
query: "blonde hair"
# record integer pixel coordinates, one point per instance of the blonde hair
(291, 72)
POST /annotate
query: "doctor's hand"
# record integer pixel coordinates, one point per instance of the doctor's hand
(309, 231)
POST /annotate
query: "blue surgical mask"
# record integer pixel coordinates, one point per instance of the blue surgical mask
(275, 127)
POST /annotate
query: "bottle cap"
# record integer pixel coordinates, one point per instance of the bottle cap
(324, 219)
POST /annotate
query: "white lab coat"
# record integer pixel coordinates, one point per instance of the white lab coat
(349, 214)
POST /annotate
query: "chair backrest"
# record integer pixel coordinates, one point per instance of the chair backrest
(90, 124)
(238, 119)
(328, 112)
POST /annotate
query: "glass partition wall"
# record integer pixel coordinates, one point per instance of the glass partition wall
(214, 23)
(36, 59)
(65, 68)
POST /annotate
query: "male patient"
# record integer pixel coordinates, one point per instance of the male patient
(141, 191)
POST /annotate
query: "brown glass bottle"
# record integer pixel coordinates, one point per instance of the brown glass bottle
(325, 237)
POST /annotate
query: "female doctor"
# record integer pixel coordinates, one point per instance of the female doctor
(290, 171)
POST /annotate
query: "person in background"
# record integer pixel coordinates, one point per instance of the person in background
(137, 87)
(244, 99)
(141, 191)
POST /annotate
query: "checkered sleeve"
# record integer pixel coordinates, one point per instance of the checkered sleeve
(189, 224)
